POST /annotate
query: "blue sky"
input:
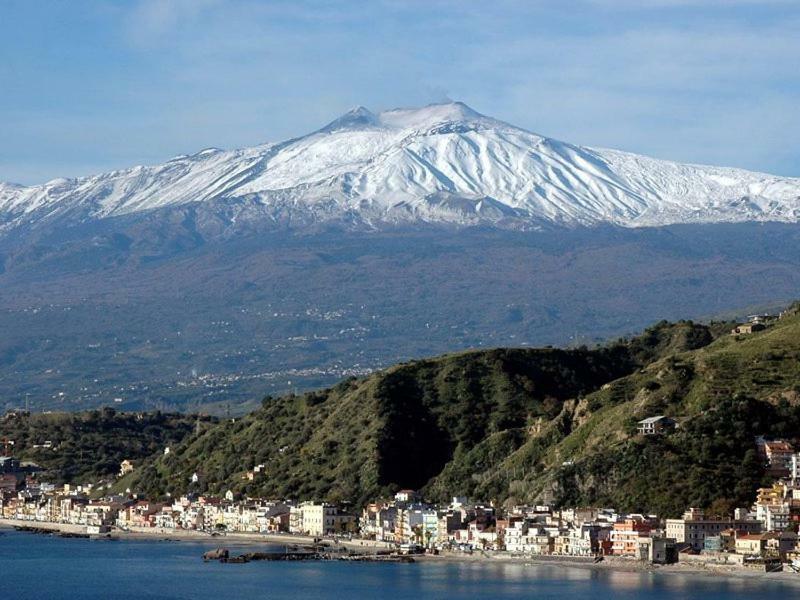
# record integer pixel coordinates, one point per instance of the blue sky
(91, 86)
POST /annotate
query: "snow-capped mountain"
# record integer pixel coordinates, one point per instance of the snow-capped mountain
(443, 163)
(225, 275)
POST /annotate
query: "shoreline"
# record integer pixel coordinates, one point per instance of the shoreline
(189, 535)
(618, 564)
(367, 547)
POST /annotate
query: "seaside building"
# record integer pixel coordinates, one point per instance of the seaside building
(658, 550)
(778, 506)
(695, 526)
(626, 536)
(319, 519)
(522, 537)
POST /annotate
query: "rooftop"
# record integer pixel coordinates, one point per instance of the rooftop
(655, 419)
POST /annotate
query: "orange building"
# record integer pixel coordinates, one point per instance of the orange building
(625, 536)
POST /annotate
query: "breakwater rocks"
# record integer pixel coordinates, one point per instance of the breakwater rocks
(218, 554)
(223, 555)
(46, 531)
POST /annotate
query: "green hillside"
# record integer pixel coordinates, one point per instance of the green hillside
(449, 425)
(509, 425)
(723, 396)
(88, 446)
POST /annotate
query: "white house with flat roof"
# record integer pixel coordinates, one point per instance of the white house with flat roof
(656, 425)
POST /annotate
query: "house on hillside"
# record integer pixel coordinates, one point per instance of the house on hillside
(762, 319)
(657, 425)
(779, 454)
(746, 328)
(409, 496)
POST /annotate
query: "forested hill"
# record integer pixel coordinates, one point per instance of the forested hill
(723, 396)
(478, 423)
(89, 446)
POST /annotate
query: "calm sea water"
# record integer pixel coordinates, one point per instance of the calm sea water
(51, 568)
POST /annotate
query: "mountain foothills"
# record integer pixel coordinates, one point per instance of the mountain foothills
(223, 275)
(518, 425)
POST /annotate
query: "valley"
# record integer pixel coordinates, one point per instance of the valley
(216, 327)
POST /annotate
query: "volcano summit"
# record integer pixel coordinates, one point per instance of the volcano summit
(442, 163)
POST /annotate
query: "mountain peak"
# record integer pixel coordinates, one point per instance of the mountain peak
(356, 118)
(360, 117)
(432, 114)
(360, 111)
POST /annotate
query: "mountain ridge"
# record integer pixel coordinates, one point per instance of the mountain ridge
(443, 164)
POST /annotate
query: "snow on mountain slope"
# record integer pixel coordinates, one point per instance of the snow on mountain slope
(440, 163)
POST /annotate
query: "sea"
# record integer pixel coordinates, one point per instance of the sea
(43, 567)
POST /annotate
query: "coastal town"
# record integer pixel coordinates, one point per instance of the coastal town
(762, 537)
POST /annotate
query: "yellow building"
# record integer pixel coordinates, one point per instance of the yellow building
(751, 544)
